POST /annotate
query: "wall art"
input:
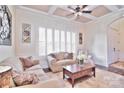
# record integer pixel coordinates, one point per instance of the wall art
(26, 33)
(5, 26)
(80, 38)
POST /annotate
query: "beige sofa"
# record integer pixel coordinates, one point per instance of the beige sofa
(44, 80)
(58, 60)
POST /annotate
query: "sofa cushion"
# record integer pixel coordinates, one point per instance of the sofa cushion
(68, 56)
(65, 62)
(59, 56)
(39, 72)
(14, 62)
(24, 78)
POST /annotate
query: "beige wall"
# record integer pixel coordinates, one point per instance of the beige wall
(119, 24)
(96, 37)
(7, 51)
(121, 35)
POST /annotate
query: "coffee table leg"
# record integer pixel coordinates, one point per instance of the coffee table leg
(72, 82)
(63, 74)
(94, 72)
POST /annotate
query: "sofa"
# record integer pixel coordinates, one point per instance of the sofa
(56, 61)
(43, 80)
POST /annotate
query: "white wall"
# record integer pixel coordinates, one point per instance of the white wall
(8, 51)
(96, 42)
(37, 19)
(96, 37)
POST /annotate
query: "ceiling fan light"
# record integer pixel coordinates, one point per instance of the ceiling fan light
(79, 13)
(76, 14)
(86, 9)
(71, 10)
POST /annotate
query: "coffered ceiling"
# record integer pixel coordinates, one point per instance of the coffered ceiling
(64, 11)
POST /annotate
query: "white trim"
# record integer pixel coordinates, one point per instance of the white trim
(59, 39)
(53, 39)
(46, 41)
(119, 10)
(52, 9)
(89, 16)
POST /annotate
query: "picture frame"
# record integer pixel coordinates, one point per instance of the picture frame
(80, 38)
(5, 26)
(26, 33)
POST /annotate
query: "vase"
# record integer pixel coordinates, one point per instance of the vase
(81, 62)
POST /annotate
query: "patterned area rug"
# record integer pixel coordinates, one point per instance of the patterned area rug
(103, 79)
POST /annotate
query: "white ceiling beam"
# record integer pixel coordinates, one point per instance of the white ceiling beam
(52, 9)
(89, 16)
(111, 7)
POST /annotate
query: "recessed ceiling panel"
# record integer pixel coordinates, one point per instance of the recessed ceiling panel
(100, 11)
(82, 19)
(62, 12)
(44, 8)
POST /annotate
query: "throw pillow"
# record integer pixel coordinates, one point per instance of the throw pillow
(24, 78)
(27, 62)
(68, 56)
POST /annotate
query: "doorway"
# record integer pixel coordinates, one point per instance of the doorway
(116, 46)
(113, 45)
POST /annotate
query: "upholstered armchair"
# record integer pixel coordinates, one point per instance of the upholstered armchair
(58, 60)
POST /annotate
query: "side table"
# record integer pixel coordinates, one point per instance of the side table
(5, 76)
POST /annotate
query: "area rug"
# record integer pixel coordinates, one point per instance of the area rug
(103, 79)
(119, 65)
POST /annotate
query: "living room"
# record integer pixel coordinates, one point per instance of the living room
(55, 38)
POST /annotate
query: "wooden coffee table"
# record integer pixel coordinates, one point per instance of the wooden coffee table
(76, 71)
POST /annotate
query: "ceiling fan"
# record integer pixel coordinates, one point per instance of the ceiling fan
(78, 10)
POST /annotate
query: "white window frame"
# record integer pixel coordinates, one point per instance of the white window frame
(53, 38)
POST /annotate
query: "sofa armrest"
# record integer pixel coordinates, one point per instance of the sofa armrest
(52, 83)
(51, 60)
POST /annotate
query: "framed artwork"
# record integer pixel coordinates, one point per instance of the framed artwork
(5, 25)
(80, 38)
(26, 33)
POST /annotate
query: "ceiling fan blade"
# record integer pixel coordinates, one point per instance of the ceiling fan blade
(84, 6)
(71, 8)
(69, 14)
(86, 11)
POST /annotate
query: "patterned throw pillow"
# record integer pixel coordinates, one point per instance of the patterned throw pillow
(28, 62)
(24, 78)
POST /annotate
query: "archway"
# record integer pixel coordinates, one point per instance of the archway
(115, 41)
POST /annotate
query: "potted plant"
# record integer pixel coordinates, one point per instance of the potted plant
(81, 58)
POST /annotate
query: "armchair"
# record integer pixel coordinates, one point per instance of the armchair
(58, 60)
